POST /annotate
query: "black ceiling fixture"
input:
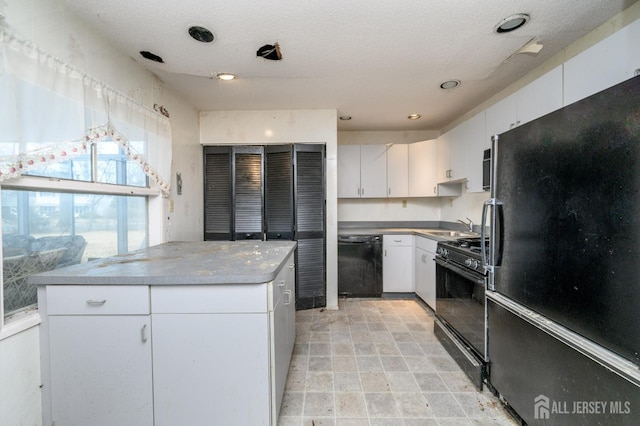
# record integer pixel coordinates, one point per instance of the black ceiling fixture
(511, 23)
(201, 34)
(151, 56)
(270, 51)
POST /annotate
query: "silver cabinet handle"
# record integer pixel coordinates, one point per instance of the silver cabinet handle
(281, 283)
(424, 258)
(96, 302)
(358, 191)
(288, 294)
(143, 334)
(389, 191)
(397, 241)
(362, 191)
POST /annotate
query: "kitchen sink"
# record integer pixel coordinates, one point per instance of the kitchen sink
(456, 234)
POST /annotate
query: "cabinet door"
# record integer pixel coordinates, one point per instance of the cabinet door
(425, 270)
(373, 171)
(609, 62)
(540, 97)
(500, 117)
(466, 152)
(422, 169)
(348, 171)
(397, 264)
(211, 369)
(443, 168)
(397, 170)
(101, 370)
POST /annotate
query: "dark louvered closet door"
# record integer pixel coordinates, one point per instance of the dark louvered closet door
(217, 193)
(310, 226)
(278, 169)
(248, 193)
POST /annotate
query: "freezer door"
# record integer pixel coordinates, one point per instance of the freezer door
(569, 183)
(548, 382)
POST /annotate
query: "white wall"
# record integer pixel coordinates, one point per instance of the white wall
(20, 379)
(286, 126)
(56, 30)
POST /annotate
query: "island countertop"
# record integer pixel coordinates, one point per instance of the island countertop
(183, 262)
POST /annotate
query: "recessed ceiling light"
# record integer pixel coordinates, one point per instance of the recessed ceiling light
(151, 56)
(450, 84)
(414, 116)
(201, 34)
(511, 23)
(226, 76)
(345, 117)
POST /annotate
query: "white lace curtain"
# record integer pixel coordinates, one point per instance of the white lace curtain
(50, 112)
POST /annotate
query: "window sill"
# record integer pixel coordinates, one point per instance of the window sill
(19, 323)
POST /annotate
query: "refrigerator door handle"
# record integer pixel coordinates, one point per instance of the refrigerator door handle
(492, 260)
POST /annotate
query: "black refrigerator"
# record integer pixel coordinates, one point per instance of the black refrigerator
(563, 298)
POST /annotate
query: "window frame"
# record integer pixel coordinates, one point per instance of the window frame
(155, 224)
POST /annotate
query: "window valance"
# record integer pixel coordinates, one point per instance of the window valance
(51, 111)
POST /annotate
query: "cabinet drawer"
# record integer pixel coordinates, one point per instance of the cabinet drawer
(97, 300)
(397, 240)
(427, 244)
(209, 299)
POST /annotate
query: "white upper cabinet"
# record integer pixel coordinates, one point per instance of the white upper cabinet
(349, 171)
(397, 170)
(443, 150)
(536, 99)
(422, 169)
(500, 117)
(373, 171)
(466, 154)
(362, 171)
(540, 97)
(460, 153)
(605, 64)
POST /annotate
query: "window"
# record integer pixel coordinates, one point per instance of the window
(82, 170)
(42, 231)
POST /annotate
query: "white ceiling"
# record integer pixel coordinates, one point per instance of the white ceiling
(375, 60)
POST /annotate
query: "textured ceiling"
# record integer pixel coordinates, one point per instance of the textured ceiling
(377, 61)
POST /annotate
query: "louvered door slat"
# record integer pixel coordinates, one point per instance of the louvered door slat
(248, 195)
(279, 192)
(217, 195)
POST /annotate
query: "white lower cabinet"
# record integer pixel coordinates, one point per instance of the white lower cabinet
(211, 368)
(425, 270)
(98, 342)
(167, 355)
(397, 264)
(101, 370)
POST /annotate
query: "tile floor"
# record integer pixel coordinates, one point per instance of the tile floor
(378, 363)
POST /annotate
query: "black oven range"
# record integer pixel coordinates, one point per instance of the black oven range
(461, 313)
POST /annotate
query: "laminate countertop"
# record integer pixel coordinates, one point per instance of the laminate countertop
(438, 234)
(192, 262)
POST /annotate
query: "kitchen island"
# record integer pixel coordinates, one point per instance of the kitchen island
(194, 333)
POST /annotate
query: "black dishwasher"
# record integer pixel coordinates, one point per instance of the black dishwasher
(359, 265)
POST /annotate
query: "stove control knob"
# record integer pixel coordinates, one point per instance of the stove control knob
(443, 252)
(471, 263)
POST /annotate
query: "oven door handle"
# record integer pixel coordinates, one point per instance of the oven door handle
(476, 278)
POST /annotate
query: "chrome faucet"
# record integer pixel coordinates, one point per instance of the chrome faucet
(469, 224)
